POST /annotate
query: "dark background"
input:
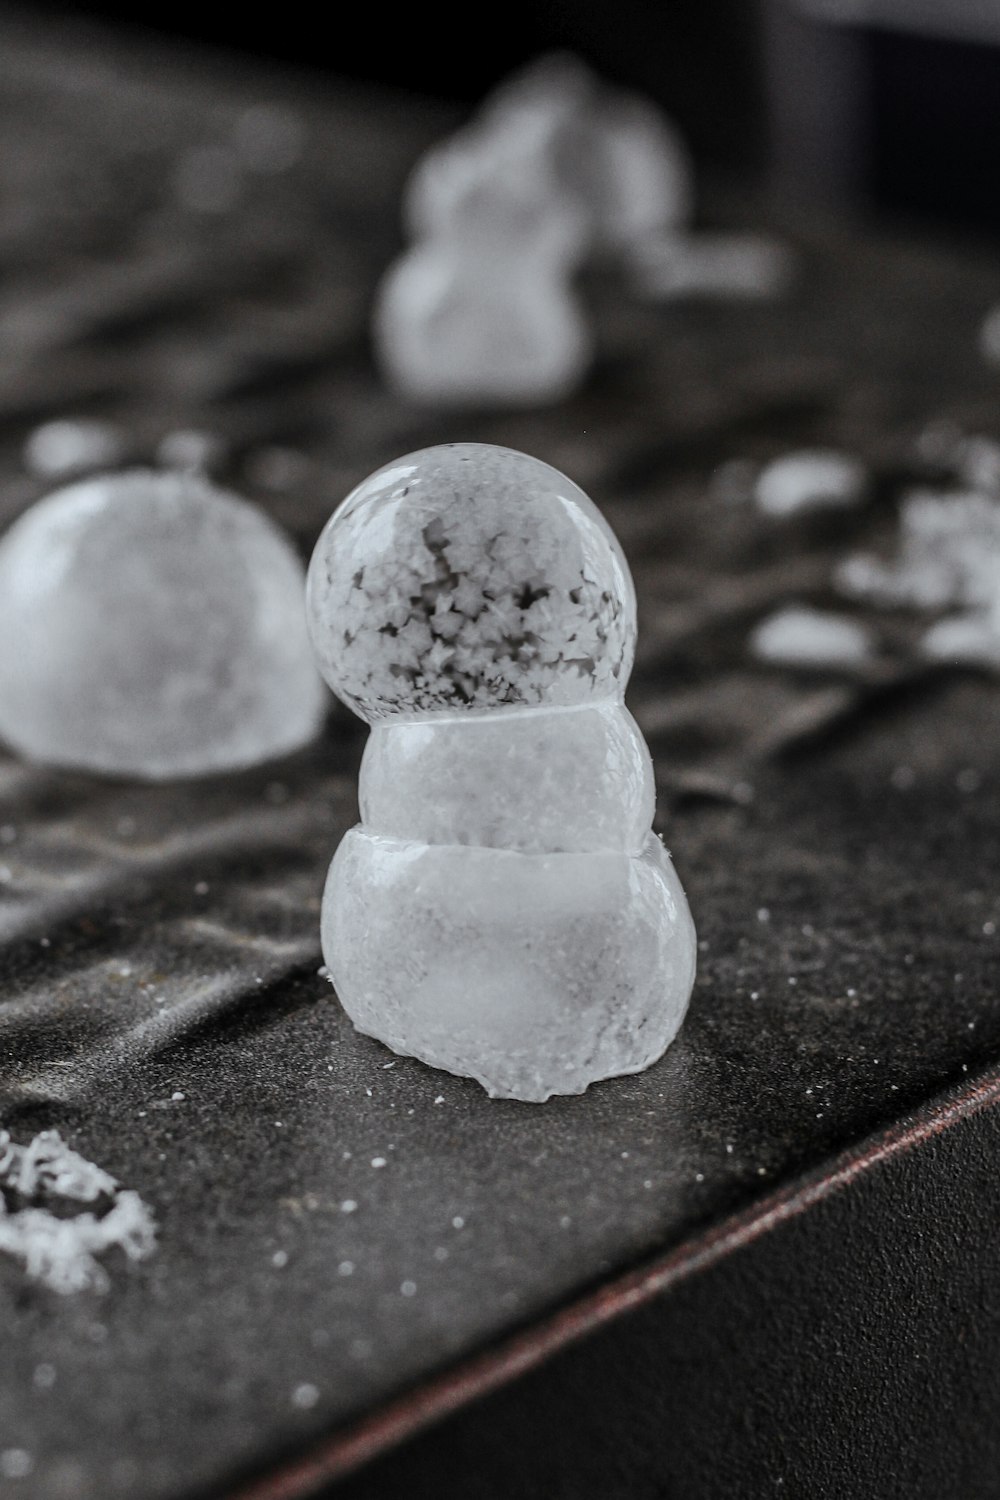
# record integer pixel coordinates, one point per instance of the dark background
(922, 141)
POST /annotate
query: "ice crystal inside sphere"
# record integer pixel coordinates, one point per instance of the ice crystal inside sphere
(152, 625)
(503, 910)
(470, 576)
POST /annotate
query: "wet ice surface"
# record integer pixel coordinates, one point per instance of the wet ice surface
(152, 625)
(503, 910)
(59, 1212)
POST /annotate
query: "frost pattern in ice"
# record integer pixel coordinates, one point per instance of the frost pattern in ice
(503, 910)
(153, 625)
(59, 1212)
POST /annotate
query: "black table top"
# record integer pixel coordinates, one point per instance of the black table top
(163, 941)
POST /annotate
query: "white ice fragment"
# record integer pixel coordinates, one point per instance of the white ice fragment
(665, 267)
(153, 625)
(948, 556)
(305, 1396)
(802, 637)
(38, 1184)
(989, 336)
(972, 638)
(71, 446)
(503, 910)
(816, 479)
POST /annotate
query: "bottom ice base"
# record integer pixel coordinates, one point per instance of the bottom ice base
(536, 974)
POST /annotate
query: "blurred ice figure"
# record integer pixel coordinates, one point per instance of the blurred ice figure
(482, 311)
(555, 169)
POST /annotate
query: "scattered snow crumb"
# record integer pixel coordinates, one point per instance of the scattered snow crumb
(989, 928)
(458, 1222)
(44, 1377)
(378, 1161)
(729, 1148)
(305, 1396)
(348, 1206)
(810, 480)
(441, 1253)
(800, 636)
(279, 1258)
(346, 1268)
(201, 889)
(439, 1099)
(763, 914)
(761, 1171)
(177, 1096)
(565, 1221)
(409, 1289)
(59, 1248)
(699, 1177)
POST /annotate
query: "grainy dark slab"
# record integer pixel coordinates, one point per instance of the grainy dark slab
(161, 941)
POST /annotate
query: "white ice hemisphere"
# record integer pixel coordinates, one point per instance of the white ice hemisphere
(503, 911)
(153, 626)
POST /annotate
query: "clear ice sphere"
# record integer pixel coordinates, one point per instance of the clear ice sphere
(152, 625)
(470, 576)
(536, 780)
(535, 974)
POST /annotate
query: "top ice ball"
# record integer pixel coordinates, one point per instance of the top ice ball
(470, 577)
(153, 625)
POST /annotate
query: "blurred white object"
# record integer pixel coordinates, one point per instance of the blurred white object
(989, 336)
(817, 479)
(152, 625)
(72, 445)
(190, 448)
(483, 311)
(554, 168)
(664, 267)
(798, 636)
(949, 556)
(973, 638)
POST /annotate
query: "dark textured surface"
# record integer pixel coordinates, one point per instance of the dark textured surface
(165, 940)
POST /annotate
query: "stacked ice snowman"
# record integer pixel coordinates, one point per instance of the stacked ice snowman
(503, 910)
